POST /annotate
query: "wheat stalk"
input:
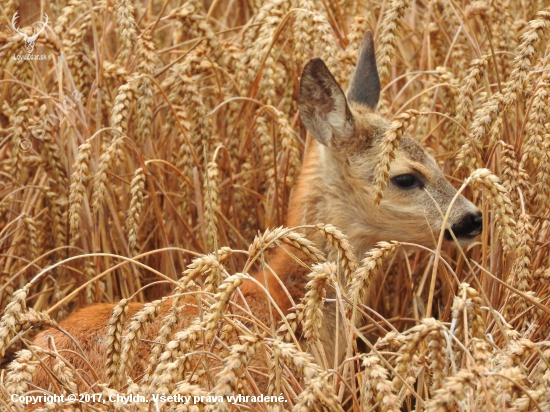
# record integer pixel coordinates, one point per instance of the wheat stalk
(502, 204)
(79, 180)
(11, 320)
(127, 26)
(114, 341)
(376, 388)
(20, 371)
(340, 242)
(315, 298)
(136, 327)
(136, 204)
(387, 37)
(388, 147)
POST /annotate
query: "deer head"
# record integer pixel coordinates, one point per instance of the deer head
(29, 40)
(338, 175)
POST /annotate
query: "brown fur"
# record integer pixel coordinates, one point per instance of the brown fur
(335, 186)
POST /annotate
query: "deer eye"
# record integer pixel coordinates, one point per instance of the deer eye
(406, 181)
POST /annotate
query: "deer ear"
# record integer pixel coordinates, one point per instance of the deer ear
(365, 83)
(323, 106)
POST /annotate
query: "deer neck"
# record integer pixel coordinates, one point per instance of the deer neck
(321, 196)
(325, 194)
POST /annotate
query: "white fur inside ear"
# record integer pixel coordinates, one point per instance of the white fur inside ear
(324, 131)
(338, 118)
(324, 111)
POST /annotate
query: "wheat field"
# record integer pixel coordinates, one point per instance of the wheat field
(154, 149)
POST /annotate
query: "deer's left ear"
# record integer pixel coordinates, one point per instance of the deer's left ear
(364, 87)
(323, 106)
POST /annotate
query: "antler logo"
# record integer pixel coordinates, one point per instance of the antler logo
(29, 40)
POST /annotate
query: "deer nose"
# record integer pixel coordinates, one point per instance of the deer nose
(469, 226)
(477, 221)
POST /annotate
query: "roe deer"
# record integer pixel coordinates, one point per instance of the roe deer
(335, 186)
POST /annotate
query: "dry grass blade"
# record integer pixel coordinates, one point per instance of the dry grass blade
(211, 204)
